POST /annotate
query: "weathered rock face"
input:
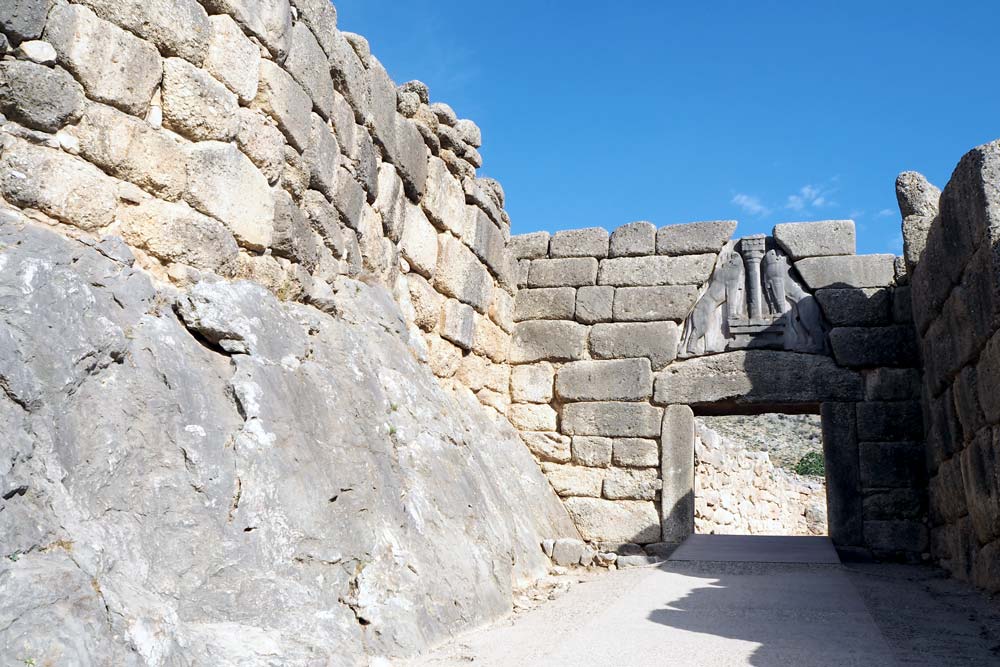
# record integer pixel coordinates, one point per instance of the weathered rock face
(182, 469)
(957, 313)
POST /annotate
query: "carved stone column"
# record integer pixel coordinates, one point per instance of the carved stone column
(752, 249)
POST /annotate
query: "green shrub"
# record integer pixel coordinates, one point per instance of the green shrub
(811, 464)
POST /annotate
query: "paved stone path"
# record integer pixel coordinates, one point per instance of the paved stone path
(743, 611)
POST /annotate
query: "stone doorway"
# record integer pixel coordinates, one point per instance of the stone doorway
(759, 474)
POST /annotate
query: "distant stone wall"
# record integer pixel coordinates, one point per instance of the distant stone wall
(614, 350)
(257, 141)
(741, 492)
(951, 245)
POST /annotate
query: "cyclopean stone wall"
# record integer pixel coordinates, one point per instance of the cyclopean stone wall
(741, 492)
(621, 337)
(951, 244)
(257, 141)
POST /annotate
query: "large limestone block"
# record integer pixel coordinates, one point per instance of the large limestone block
(174, 232)
(570, 272)
(391, 201)
(869, 347)
(981, 476)
(530, 246)
(260, 139)
(223, 183)
(548, 340)
(916, 196)
(547, 446)
(419, 241)
(656, 341)
(292, 236)
(533, 417)
(677, 469)
(970, 208)
(548, 303)
(896, 536)
(426, 301)
(322, 157)
(890, 421)
(594, 303)
(460, 275)
(444, 199)
(24, 19)
(626, 420)
(196, 105)
(574, 481)
(592, 451)
(848, 271)
(177, 27)
(623, 521)
(349, 77)
(490, 340)
(270, 21)
(653, 304)
(816, 239)
(590, 242)
(54, 182)
(694, 237)
(84, 43)
(502, 309)
(656, 270)
(841, 457)
(308, 65)
(408, 153)
(633, 240)
(131, 149)
(232, 58)
(756, 377)
(458, 324)
(871, 306)
(619, 380)
(639, 484)
(532, 383)
(892, 384)
(284, 100)
(39, 97)
(636, 453)
(892, 465)
(485, 239)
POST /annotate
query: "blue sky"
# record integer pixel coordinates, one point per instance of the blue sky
(598, 114)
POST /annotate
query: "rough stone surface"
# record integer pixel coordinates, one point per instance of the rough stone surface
(533, 417)
(633, 240)
(307, 64)
(39, 97)
(756, 376)
(592, 451)
(618, 380)
(656, 341)
(599, 520)
(37, 51)
(594, 303)
(51, 181)
(223, 183)
(261, 140)
(546, 446)
(232, 58)
(636, 453)
(419, 243)
(655, 270)
(571, 272)
(177, 27)
(270, 21)
(532, 383)
(856, 307)
(677, 446)
(550, 303)
(530, 246)
(574, 481)
(83, 43)
(24, 19)
(916, 196)
(623, 484)
(590, 242)
(816, 239)
(196, 105)
(249, 504)
(628, 420)
(460, 275)
(652, 304)
(284, 100)
(174, 232)
(852, 271)
(864, 347)
(548, 341)
(458, 324)
(444, 199)
(694, 238)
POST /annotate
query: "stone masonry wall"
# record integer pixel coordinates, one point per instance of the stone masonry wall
(951, 242)
(606, 406)
(741, 492)
(255, 140)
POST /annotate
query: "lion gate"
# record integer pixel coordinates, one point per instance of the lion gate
(622, 338)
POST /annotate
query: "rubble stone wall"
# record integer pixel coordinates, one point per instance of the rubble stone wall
(607, 405)
(951, 242)
(258, 141)
(741, 492)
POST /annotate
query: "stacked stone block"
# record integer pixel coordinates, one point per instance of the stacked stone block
(606, 406)
(258, 141)
(951, 239)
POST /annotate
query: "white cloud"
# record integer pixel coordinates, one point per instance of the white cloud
(810, 196)
(750, 205)
(886, 213)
